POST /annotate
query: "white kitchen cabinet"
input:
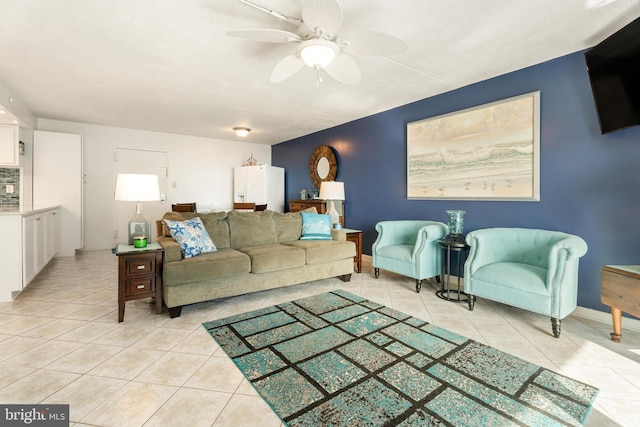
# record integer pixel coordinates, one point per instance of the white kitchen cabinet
(262, 184)
(29, 249)
(28, 244)
(40, 239)
(9, 145)
(52, 236)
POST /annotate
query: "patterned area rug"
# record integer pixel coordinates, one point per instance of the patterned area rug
(337, 359)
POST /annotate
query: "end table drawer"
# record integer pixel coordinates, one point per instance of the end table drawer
(141, 286)
(141, 265)
(295, 207)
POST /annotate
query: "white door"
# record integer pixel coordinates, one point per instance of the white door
(64, 186)
(138, 161)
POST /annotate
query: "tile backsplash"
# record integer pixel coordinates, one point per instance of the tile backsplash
(9, 176)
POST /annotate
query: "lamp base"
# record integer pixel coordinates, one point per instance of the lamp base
(139, 225)
(333, 212)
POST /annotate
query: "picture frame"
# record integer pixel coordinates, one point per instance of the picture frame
(487, 152)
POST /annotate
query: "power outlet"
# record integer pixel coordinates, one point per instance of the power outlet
(10, 188)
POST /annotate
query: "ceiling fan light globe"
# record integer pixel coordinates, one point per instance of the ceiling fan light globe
(318, 53)
(241, 131)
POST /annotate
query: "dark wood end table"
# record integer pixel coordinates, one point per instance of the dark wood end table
(355, 236)
(139, 275)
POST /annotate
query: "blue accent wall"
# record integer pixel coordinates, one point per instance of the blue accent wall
(589, 183)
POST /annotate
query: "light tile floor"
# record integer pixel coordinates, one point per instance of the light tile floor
(60, 342)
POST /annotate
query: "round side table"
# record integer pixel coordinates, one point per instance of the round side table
(462, 250)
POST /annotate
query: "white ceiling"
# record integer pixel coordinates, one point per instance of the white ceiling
(167, 65)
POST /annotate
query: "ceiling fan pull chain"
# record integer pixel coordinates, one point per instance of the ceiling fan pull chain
(318, 76)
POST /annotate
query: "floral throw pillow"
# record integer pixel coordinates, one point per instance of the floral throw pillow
(191, 236)
(315, 226)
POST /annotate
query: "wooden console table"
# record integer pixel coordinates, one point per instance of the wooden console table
(620, 289)
(319, 204)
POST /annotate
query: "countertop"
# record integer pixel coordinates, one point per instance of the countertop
(24, 211)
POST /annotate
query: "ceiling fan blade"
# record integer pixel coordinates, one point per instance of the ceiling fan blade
(275, 13)
(265, 35)
(344, 69)
(286, 68)
(325, 15)
(372, 43)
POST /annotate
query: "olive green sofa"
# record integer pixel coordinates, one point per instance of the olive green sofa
(255, 251)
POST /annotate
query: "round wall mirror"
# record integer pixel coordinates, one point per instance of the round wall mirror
(323, 168)
(323, 165)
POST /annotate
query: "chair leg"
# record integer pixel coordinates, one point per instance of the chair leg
(438, 278)
(472, 301)
(418, 285)
(376, 272)
(555, 327)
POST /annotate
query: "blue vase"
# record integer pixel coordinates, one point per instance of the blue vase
(456, 225)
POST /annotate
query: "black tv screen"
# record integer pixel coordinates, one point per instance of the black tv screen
(614, 71)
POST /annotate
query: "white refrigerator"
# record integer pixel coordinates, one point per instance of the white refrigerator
(259, 184)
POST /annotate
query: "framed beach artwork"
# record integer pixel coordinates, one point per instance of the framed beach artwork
(488, 152)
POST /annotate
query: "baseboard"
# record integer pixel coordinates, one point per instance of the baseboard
(604, 317)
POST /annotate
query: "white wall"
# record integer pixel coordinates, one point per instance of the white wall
(202, 169)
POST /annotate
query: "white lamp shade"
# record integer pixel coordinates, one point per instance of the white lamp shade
(133, 187)
(332, 190)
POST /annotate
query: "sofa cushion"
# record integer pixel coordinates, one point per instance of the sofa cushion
(251, 229)
(530, 278)
(403, 253)
(265, 258)
(315, 226)
(214, 265)
(215, 223)
(217, 226)
(288, 226)
(191, 236)
(319, 251)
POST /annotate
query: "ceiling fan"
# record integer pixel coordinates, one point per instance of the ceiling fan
(319, 45)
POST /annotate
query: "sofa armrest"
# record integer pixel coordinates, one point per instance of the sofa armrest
(338, 234)
(563, 258)
(159, 228)
(172, 250)
(407, 232)
(426, 237)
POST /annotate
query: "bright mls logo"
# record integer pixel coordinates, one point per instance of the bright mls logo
(34, 415)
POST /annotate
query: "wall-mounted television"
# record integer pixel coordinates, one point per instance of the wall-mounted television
(614, 71)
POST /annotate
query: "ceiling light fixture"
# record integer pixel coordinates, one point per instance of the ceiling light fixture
(318, 53)
(241, 131)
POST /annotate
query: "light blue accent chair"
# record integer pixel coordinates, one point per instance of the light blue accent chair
(536, 270)
(409, 248)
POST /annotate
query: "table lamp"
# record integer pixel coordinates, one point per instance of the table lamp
(332, 190)
(138, 188)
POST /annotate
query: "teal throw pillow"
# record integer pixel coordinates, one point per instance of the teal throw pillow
(315, 226)
(191, 236)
